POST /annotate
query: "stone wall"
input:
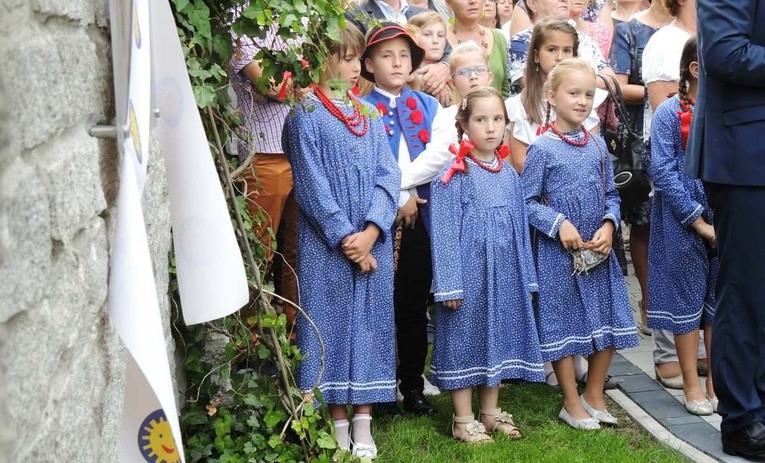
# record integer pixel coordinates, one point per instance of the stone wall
(61, 363)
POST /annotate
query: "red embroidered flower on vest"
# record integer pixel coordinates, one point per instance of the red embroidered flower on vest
(424, 135)
(417, 116)
(382, 108)
(411, 103)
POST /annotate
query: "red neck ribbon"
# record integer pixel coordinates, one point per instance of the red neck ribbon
(464, 148)
(686, 116)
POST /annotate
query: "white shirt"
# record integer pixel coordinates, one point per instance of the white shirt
(436, 154)
(390, 15)
(404, 160)
(661, 62)
(524, 130)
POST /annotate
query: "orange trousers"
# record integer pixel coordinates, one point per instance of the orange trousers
(268, 184)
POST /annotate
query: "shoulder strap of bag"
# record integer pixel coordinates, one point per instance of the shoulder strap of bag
(615, 91)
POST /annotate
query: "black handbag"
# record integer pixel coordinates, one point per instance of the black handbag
(627, 148)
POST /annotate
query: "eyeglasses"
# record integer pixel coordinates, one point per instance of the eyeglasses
(467, 70)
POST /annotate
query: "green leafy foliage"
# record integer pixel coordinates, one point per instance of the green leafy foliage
(242, 404)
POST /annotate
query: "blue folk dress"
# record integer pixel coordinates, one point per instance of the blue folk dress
(682, 268)
(578, 314)
(341, 182)
(482, 255)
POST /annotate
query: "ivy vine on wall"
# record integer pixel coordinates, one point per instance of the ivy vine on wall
(242, 404)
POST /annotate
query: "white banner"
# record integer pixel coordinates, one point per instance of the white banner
(139, 90)
(134, 310)
(211, 277)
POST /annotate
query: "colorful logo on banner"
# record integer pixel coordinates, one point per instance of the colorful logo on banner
(133, 122)
(136, 27)
(155, 439)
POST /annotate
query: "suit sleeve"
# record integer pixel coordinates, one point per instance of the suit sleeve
(541, 216)
(725, 28)
(665, 168)
(311, 186)
(446, 219)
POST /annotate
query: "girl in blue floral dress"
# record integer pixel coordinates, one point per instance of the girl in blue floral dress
(346, 185)
(573, 206)
(682, 263)
(483, 273)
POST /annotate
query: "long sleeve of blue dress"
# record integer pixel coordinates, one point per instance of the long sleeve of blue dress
(311, 185)
(446, 220)
(384, 205)
(666, 167)
(542, 217)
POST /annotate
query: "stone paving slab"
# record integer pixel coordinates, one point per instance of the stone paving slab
(633, 368)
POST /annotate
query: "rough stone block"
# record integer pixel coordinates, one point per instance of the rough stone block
(57, 81)
(71, 165)
(82, 11)
(25, 244)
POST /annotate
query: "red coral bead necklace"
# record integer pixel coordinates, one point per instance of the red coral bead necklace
(569, 140)
(356, 123)
(483, 165)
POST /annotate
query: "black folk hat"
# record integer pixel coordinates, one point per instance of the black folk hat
(387, 31)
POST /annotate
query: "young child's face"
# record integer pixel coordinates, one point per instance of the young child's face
(573, 99)
(433, 40)
(556, 47)
(471, 72)
(346, 67)
(391, 64)
(486, 124)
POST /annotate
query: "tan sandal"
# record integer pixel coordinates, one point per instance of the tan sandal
(474, 432)
(501, 422)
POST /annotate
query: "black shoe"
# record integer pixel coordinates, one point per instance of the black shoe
(415, 402)
(747, 441)
(385, 409)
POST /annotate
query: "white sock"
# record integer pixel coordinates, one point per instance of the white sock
(362, 429)
(341, 434)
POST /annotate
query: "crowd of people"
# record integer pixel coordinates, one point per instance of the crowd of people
(451, 155)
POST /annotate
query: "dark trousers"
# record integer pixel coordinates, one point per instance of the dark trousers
(738, 330)
(411, 286)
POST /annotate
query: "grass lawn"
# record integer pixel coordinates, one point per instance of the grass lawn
(535, 410)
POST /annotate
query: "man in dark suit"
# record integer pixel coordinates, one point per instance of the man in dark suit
(727, 151)
(434, 76)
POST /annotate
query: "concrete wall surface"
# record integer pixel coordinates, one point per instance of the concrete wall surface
(61, 363)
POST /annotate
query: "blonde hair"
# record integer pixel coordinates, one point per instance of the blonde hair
(564, 68)
(462, 49)
(533, 90)
(427, 18)
(468, 104)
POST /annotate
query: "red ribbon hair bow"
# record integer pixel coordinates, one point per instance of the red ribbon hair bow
(502, 152)
(464, 148)
(685, 125)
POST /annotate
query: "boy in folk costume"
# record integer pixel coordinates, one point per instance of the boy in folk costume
(407, 115)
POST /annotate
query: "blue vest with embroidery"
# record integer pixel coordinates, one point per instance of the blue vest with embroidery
(412, 116)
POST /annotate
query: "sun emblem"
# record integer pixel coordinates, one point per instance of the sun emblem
(155, 439)
(136, 26)
(134, 133)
